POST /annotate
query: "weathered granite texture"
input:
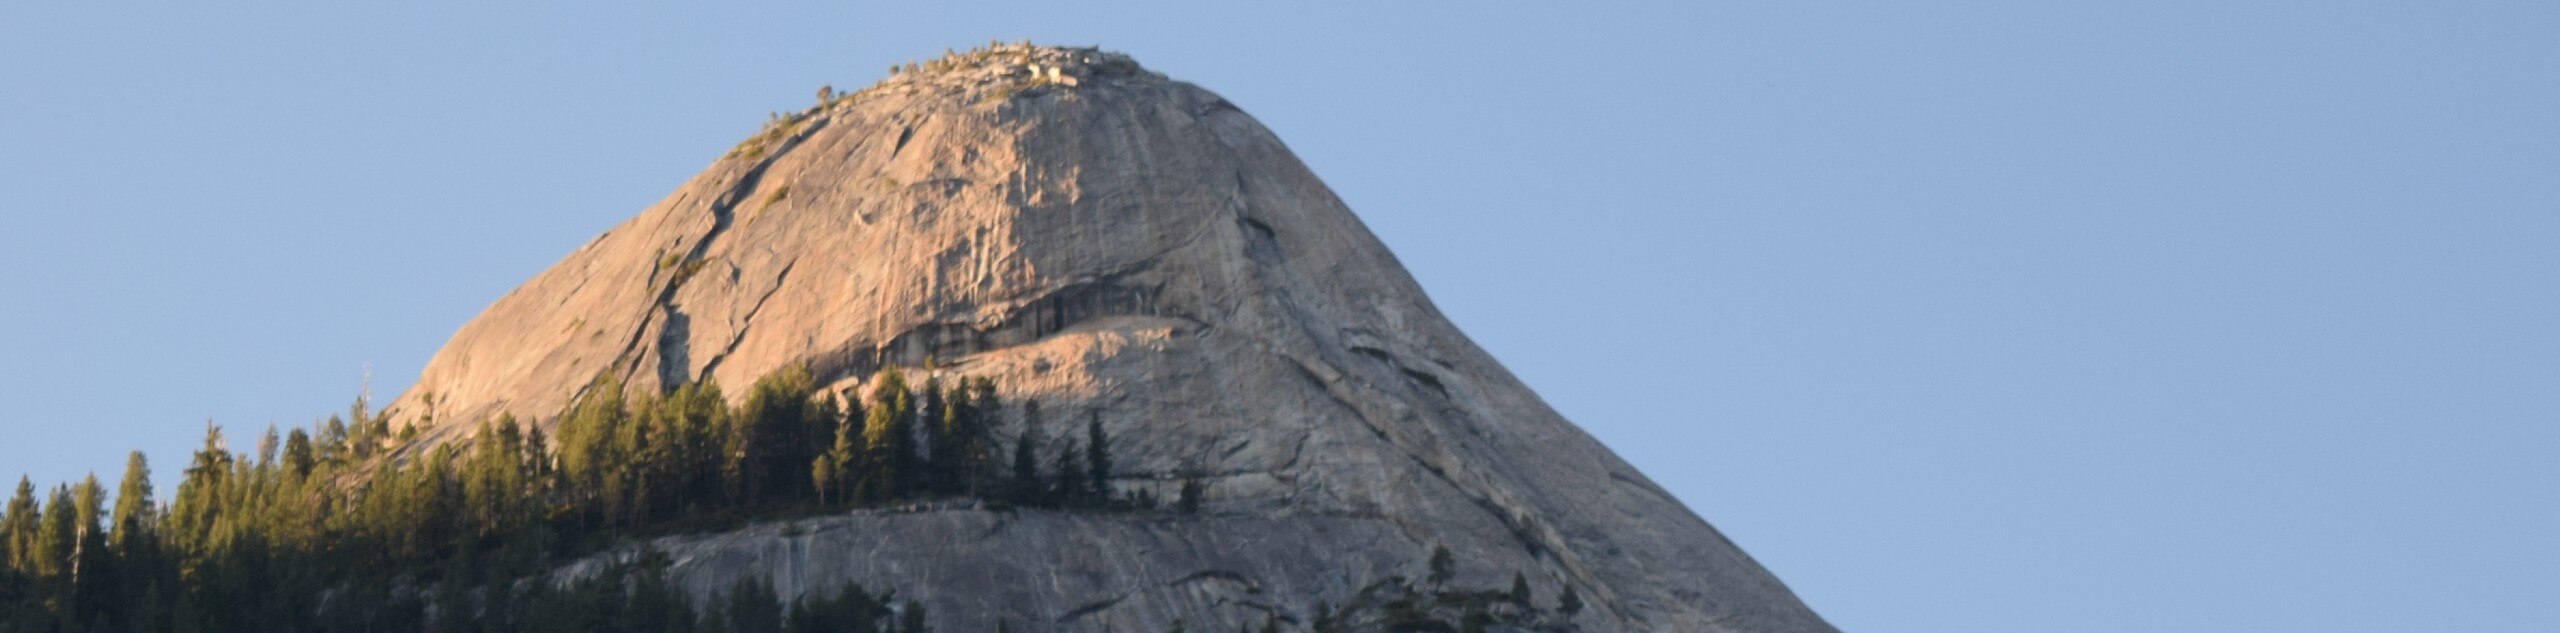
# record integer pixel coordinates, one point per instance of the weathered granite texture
(1105, 242)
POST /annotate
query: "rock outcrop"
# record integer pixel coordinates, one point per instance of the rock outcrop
(1118, 246)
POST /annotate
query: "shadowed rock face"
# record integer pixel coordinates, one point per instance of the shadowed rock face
(1108, 244)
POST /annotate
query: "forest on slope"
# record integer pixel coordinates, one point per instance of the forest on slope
(350, 526)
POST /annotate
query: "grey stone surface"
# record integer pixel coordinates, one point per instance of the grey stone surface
(1124, 247)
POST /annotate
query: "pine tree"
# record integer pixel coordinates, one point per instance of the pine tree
(133, 514)
(494, 482)
(587, 458)
(200, 495)
(89, 511)
(839, 467)
(1097, 460)
(1071, 488)
(888, 438)
(298, 455)
(1571, 602)
(698, 441)
(774, 443)
(1443, 566)
(333, 442)
(822, 475)
(753, 608)
(1188, 500)
(1519, 590)
(55, 536)
(18, 527)
(984, 474)
(911, 618)
(955, 467)
(932, 411)
(1026, 457)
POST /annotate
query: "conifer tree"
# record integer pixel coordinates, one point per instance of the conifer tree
(1571, 602)
(1443, 566)
(18, 527)
(773, 443)
(1097, 460)
(89, 508)
(333, 441)
(931, 413)
(702, 425)
(1519, 590)
(200, 495)
(494, 482)
(888, 438)
(822, 474)
(1071, 487)
(838, 468)
(984, 473)
(1188, 500)
(55, 535)
(588, 462)
(133, 517)
(298, 455)
(947, 445)
(1026, 457)
(754, 608)
(911, 618)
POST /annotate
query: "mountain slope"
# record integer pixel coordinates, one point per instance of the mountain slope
(1112, 246)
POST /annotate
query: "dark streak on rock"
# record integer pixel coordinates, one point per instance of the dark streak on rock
(1090, 609)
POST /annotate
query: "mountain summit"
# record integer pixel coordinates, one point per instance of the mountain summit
(1114, 247)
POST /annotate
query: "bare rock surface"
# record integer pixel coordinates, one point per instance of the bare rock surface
(1118, 246)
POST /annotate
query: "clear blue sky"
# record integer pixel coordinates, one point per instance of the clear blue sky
(2195, 316)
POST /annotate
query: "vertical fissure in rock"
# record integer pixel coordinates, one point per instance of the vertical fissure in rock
(672, 344)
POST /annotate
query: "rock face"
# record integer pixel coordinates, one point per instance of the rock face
(1108, 244)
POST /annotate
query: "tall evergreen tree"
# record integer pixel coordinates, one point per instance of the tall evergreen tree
(888, 439)
(133, 513)
(18, 527)
(1443, 566)
(55, 535)
(931, 409)
(840, 466)
(200, 495)
(754, 608)
(299, 457)
(333, 442)
(589, 465)
(911, 617)
(948, 444)
(1071, 488)
(985, 474)
(1026, 482)
(773, 443)
(1097, 460)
